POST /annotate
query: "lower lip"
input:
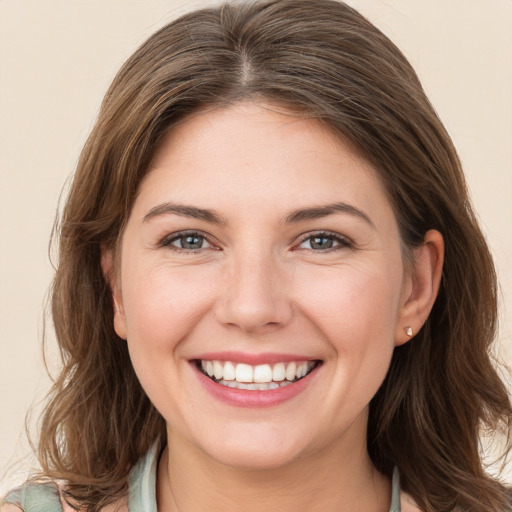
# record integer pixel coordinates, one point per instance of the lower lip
(256, 398)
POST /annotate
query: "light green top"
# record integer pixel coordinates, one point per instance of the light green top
(35, 497)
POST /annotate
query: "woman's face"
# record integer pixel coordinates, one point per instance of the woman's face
(260, 248)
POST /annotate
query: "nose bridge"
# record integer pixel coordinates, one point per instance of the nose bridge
(255, 297)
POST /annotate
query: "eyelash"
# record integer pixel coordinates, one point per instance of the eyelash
(342, 241)
(167, 241)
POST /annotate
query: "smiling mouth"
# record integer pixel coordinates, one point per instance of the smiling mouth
(261, 377)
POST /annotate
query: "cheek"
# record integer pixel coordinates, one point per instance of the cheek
(351, 303)
(162, 304)
(357, 318)
(356, 312)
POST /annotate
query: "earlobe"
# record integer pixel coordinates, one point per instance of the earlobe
(107, 265)
(422, 286)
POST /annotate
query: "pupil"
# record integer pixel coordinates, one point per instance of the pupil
(192, 242)
(320, 242)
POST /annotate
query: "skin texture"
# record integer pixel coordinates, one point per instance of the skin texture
(258, 285)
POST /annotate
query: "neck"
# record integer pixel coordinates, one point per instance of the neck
(340, 477)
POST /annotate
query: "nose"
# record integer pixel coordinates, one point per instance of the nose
(254, 297)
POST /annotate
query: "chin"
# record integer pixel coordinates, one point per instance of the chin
(255, 460)
(256, 453)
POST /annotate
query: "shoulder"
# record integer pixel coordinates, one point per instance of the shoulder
(44, 497)
(35, 497)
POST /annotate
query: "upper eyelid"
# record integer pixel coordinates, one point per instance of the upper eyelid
(344, 241)
(167, 239)
(325, 233)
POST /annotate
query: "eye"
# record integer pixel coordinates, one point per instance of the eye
(324, 242)
(188, 241)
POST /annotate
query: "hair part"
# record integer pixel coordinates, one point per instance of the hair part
(324, 61)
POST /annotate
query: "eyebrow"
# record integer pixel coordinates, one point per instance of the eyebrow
(296, 216)
(184, 211)
(318, 212)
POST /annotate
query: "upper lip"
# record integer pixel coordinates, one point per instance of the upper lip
(253, 359)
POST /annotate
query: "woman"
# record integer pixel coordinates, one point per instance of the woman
(272, 290)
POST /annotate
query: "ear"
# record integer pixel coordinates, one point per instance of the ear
(112, 278)
(421, 286)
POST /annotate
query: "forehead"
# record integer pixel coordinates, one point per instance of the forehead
(254, 153)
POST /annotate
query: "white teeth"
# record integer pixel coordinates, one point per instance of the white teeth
(278, 372)
(218, 370)
(229, 371)
(263, 373)
(244, 373)
(290, 371)
(253, 386)
(263, 376)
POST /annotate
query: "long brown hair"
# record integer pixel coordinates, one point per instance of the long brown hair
(322, 59)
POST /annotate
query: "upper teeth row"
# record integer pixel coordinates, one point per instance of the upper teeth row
(262, 373)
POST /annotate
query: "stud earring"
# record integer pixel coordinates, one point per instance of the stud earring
(408, 331)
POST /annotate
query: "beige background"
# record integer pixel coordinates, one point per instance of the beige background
(57, 58)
